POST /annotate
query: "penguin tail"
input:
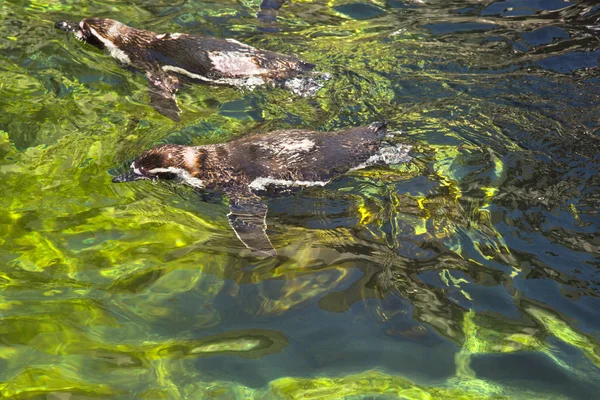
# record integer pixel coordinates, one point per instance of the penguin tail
(305, 67)
(379, 124)
(379, 128)
(306, 84)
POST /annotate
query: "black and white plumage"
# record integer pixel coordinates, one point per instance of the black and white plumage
(252, 167)
(167, 59)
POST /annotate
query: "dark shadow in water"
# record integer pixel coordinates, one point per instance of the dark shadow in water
(532, 371)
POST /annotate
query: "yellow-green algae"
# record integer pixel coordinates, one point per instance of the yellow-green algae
(566, 333)
(378, 383)
(149, 359)
(365, 384)
(89, 269)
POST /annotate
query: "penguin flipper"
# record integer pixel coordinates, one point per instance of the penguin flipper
(247, 219)
(162, 89)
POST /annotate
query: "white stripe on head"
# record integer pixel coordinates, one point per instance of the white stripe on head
(113, 50)
(135, 169)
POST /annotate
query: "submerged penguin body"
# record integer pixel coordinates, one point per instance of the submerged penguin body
(167, 59)
(249, 168)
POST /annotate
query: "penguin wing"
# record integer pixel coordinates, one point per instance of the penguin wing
(247, 219)
(162, 88)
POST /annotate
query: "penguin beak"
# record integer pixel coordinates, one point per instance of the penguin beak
(67, 26)
(128, 177)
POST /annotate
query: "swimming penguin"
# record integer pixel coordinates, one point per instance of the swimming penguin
(246, 169)
(169, 58)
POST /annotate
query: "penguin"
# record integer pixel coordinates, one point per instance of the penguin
(168, 59)
(250, 169)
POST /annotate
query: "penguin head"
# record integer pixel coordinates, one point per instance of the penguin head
(99, 32)
(166, 162)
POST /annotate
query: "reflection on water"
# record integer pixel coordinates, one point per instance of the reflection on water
(470, 272)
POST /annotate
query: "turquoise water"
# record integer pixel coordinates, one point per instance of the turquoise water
(471, 272)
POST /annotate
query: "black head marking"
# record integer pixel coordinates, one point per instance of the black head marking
(162, 162)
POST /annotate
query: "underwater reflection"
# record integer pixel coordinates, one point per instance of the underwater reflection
(470, 272)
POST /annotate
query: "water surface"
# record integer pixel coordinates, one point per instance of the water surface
(471, 272)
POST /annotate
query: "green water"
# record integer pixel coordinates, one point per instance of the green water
(470, 273)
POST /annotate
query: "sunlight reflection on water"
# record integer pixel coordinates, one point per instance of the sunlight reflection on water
(471, 271)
